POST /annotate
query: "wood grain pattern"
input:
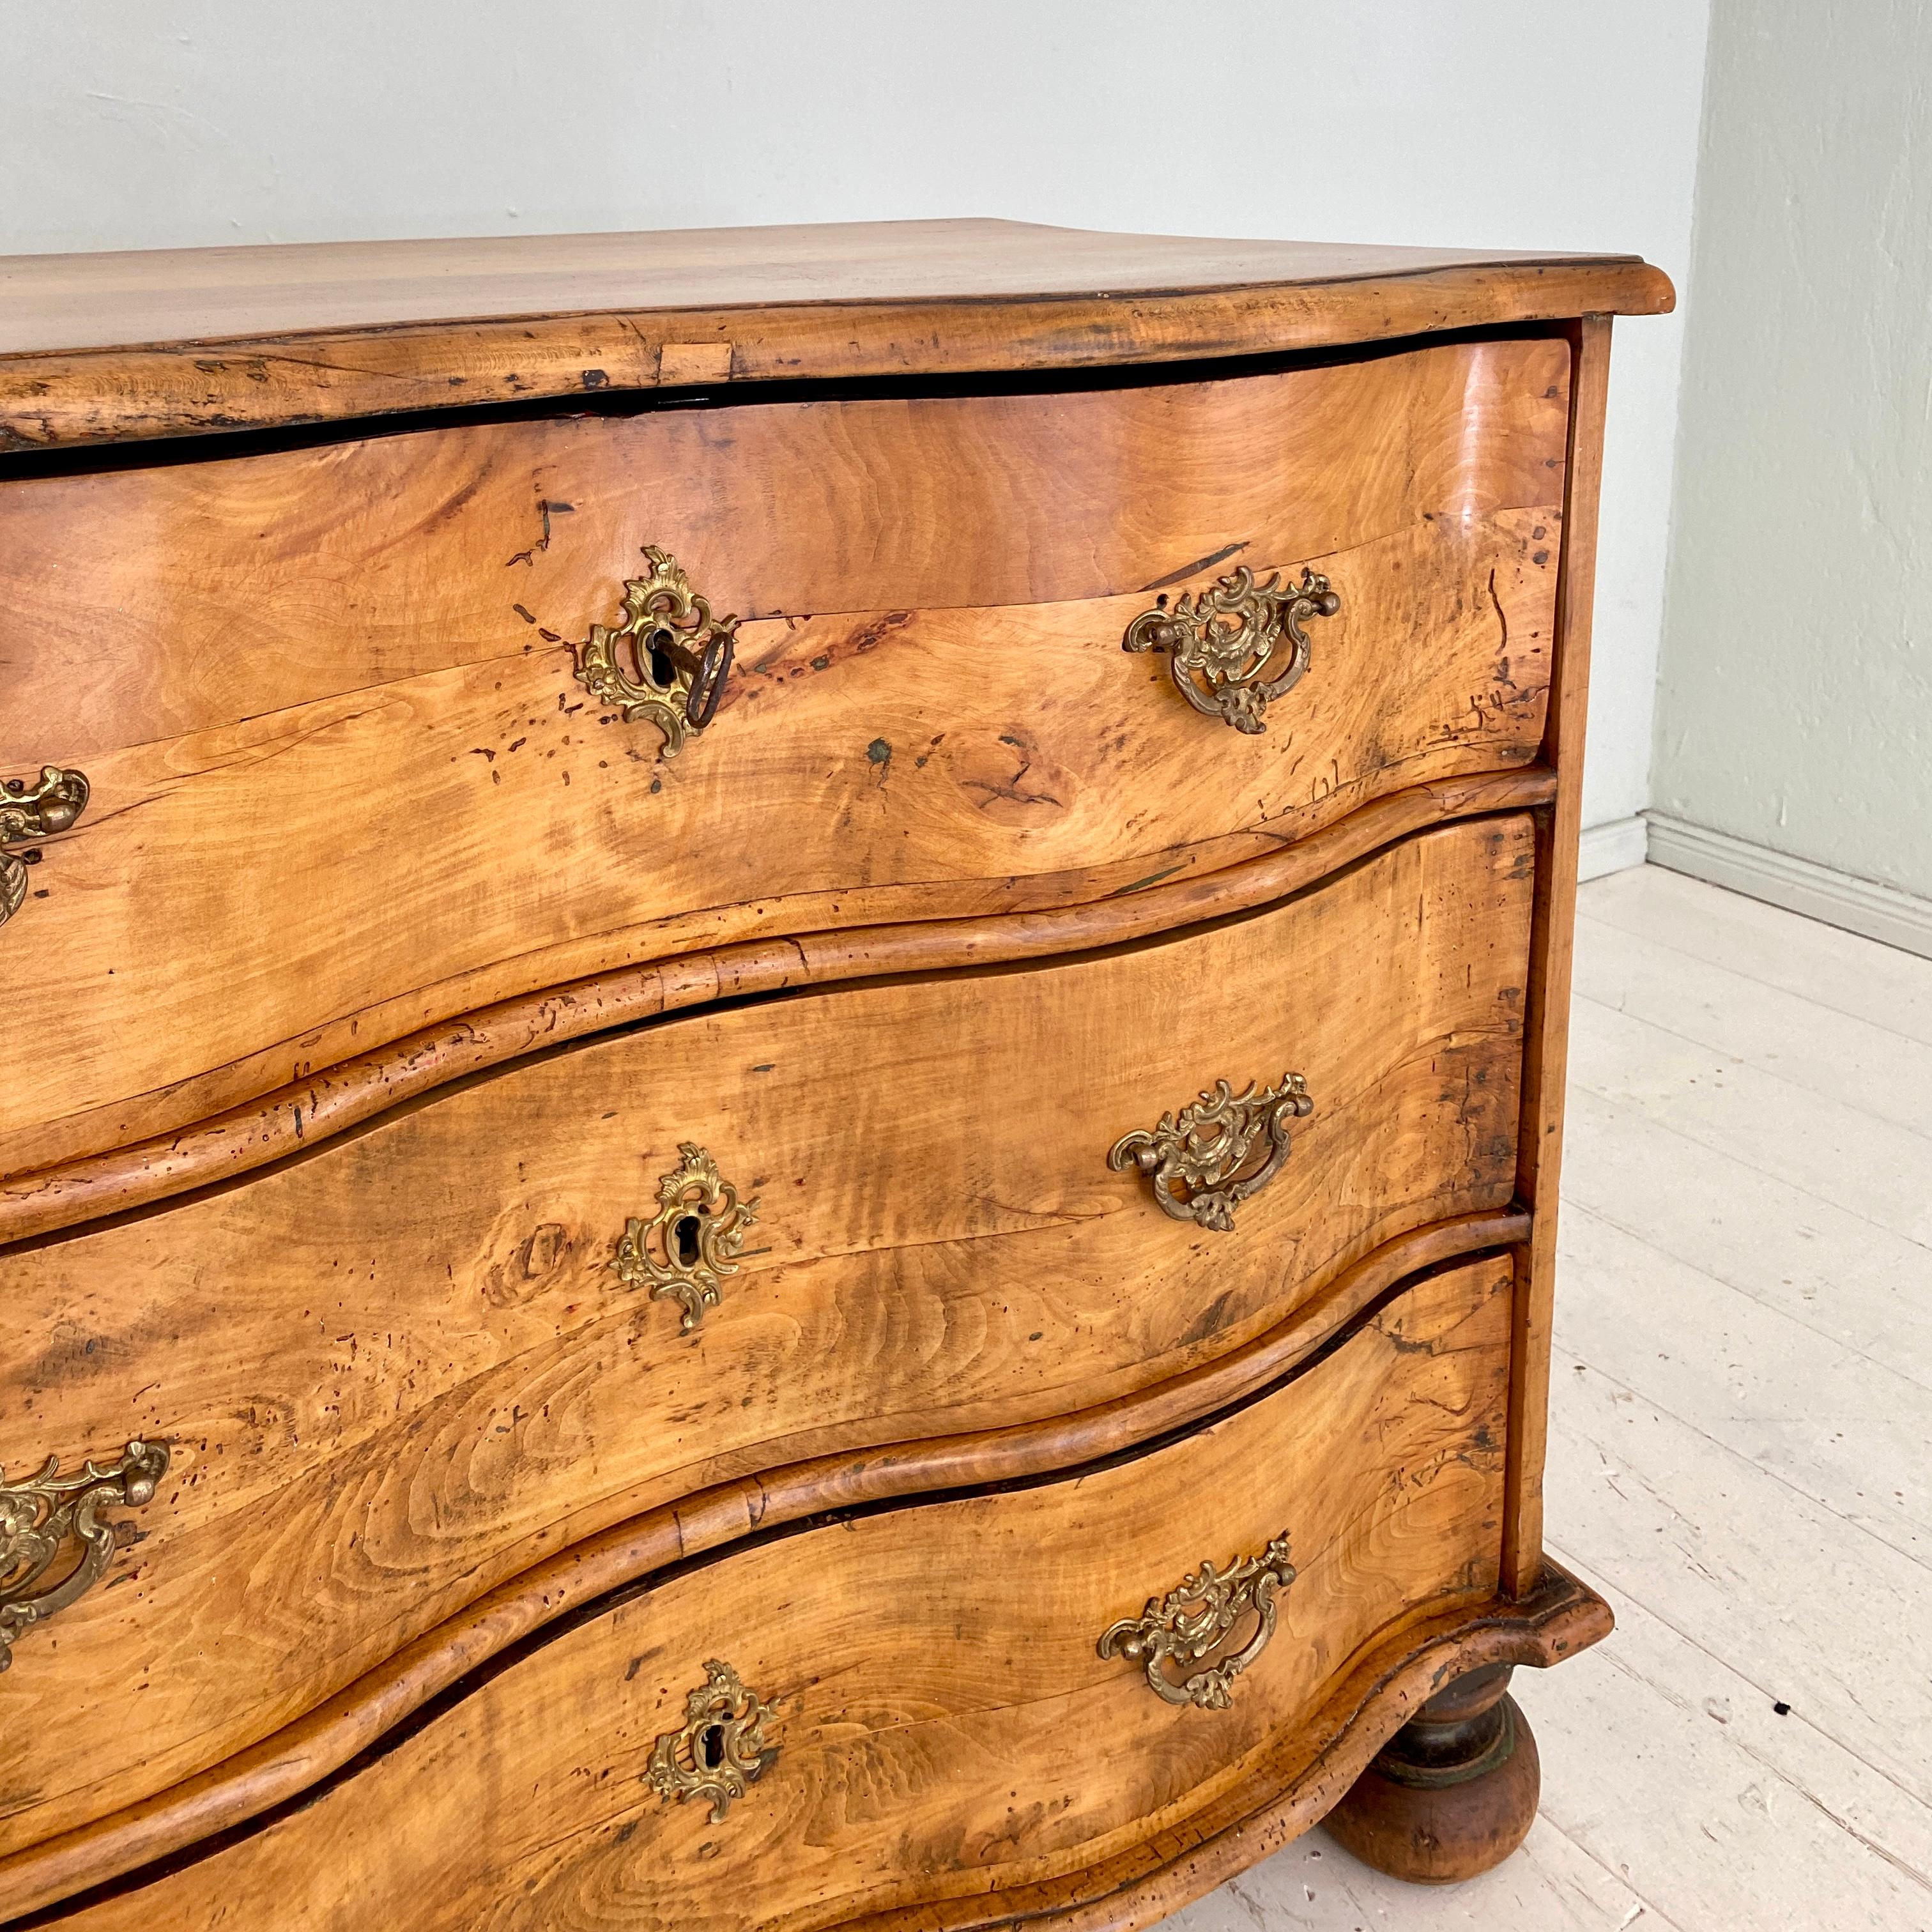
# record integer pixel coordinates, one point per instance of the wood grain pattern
(147, 604)
(438, 1381)
(285, 1121)
(915, 1702)
(1297, 1780)
(325, 333)
(1539, 1146)
(370, 1024)
(320, 1742)
(465, 835)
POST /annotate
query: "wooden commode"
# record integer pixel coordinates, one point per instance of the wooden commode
(781, 1071)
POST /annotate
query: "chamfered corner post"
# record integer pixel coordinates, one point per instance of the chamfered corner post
(1455, 1791)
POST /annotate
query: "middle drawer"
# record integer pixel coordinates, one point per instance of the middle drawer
(402, 1368)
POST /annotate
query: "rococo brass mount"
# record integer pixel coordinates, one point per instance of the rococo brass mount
(1219, 643)
(1183, 1626)
(720, 1749)
(681, 1252)
(51, 806)
(45, 1515)
(1205, 1147)
(668, 660)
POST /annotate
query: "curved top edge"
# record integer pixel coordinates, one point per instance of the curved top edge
(154, 298)
(129, 346)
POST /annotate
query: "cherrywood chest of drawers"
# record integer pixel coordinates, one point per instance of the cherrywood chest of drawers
(780, 1077)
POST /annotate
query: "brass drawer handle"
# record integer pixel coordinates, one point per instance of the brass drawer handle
(1205, 1147)
(720, 1749)
(44, 1515)
(668, 660)
(1183, 1626)
(682, 1252)
(51, 806)
(1220, 644)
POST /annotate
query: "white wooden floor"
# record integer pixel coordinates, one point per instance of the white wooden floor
(1739, 1455)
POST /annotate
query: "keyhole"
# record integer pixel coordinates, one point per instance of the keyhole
(664, 672)
(711, 1746)
(684, 1234)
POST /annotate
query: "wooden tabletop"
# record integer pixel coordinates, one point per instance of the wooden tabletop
(108, 346)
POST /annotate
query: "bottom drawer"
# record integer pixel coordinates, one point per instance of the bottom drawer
(944, 1721)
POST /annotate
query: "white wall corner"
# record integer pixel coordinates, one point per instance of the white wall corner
(1612, 847)
(1879, 912)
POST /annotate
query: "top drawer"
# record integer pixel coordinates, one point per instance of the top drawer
(345, 783)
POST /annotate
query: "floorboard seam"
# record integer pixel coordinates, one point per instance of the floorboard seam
(1718, 1146)
(1770, 986)
(1754, 1067)
(1645, 1903)
(1598, 1577)
(1738, 1456)
(1850, 1348)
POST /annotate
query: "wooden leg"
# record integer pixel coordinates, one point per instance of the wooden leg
(1453, 1792)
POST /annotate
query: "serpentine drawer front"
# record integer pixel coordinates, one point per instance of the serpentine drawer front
(410, 669)
(939, 1699)
(781, 1070)
(599, 1281)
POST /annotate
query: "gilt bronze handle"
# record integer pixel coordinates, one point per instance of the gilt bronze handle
(682, 1252)
(668, 660)
(1222, 644)
(720, 1749)
(51, 806)
(1210, 1150)
(1180, 1628)
(50, 1524)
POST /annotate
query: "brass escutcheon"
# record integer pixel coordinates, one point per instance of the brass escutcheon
(668, 660)
(49, 1522)
(1183, 1626)
(720, 1749)
(1220, 643)
(1205, 1148)
(681, 1252)
(51, 806)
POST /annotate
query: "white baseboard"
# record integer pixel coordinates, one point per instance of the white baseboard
(1614, 848)
(1839, 898)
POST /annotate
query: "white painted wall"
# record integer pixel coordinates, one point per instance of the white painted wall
(1795, 711)
(1498, 124)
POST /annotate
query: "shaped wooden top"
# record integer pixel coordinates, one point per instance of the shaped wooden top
(110, 347)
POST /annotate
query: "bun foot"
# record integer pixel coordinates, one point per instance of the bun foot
(1452, 1793)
